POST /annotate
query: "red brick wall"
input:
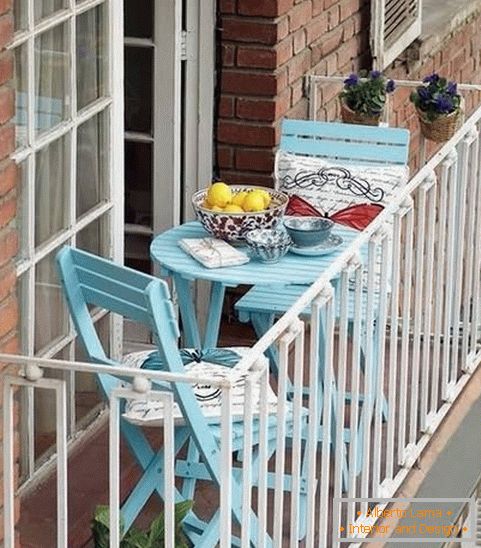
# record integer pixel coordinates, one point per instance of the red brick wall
(8, 180)
(268, 47)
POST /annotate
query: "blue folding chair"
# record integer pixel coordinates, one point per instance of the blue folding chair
(90, 280)
(340, 144)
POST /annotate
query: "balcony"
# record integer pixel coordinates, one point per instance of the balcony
(371, 359)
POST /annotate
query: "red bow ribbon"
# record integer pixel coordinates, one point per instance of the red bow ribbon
(357, 216)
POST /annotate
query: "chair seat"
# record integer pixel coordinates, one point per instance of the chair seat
(209, 363)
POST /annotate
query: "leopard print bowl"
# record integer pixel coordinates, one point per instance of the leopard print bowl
(232, 227)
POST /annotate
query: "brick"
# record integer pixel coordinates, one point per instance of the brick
(6, 66)
(227, 106)
(228, 55)
(6, 30)
(227, 6)
(8, 245)
(348, 8)
(264, 8)
(297, 92)
(317, 7)
(261, 32)
(331, 41)
(300, 15)
(329, 3)
(256, 57)
(225, 157)
(284, 51)
(246, 178)
(299, 41)
(316, 28)
(254, 83)
(7, 141)
(236, 133)
(7, 104)
(299, 66)
(255, 159)
(5, 5)
(9, 315)
(8, 176)
(333, 17)
(8, 209)
(8, 280)
(264, 110)
(256, 109)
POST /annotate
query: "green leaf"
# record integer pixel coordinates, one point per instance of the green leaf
(182, 509)
(135, 539)
(157, 531)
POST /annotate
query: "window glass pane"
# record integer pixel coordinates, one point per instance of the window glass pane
(21, 94)
(138, 183)
(139, 23)
(51, 190)
(94, 237)
(44, 8)
(51, 315)
(20, 14)
(52, 67)
(138, 89)
(92, 163)
(91, 56)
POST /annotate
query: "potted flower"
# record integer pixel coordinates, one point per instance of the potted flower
(439, 108)
(363, 98)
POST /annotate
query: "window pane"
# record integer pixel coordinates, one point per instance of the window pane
(138, 183)
(138, 89)
(138, 23)
(20, 14)
(44, 8)
(91, 56)
(94, 237)
(51, 190)
(21, 98)
(52, 67)
(92, 163)
(51, 315)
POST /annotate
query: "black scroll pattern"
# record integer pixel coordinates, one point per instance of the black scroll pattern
(340, 176)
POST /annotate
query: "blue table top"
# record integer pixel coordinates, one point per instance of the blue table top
(291, 269)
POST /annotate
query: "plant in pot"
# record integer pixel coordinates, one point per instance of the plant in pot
(439, 107)
(154, 537)
(364, 96)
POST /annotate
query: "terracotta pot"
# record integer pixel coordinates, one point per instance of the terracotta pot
(349, 116)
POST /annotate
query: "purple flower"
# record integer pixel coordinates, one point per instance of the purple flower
(353, 80)
(431, 79)
(444, 104)
(375, 74)
(424, 94)
(452, 88)
(390, 86)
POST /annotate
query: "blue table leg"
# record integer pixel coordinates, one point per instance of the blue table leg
(187, 312)
(217, 293)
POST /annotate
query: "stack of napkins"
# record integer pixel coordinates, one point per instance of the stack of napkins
(213, 253)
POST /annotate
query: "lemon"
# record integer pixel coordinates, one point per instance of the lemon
(233, 208)
(205, 204)
(217, 209)
(238, 199)
(254, 201)
(267, 198)
(219, 195)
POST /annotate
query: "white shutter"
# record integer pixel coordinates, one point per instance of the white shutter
(395, 24)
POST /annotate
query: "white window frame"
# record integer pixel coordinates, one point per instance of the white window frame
(112, 208)
(384, 54)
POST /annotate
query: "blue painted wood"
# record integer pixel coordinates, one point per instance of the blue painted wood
(346, 143)
(88, 279)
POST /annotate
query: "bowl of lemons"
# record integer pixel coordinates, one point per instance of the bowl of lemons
(229, 211)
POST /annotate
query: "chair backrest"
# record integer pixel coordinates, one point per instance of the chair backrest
(346, 143)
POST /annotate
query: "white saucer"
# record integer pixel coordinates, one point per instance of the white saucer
(324, 248)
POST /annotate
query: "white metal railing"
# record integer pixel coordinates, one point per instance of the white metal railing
(391, 336)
